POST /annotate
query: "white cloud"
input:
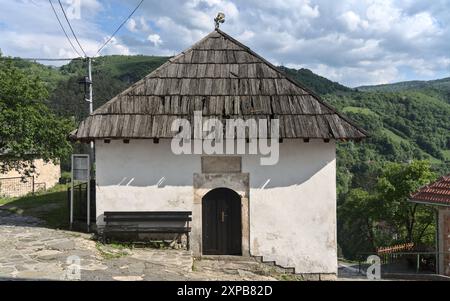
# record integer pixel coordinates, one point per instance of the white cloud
(353, 21)
(420, 24)
(382, 15)
(135, 26)
(308, 11)
(42, 45)
(131, 25)
(88, 5)
(246, 35)
(80, 9)
(143, 23)
(353, 41)
(155, 39)
(117, 47)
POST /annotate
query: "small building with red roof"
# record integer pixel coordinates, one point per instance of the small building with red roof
(437, 194)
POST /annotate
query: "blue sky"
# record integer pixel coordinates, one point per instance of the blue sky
(355, 42)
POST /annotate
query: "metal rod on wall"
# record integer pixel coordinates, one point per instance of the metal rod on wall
(437, 264)
(88, 192)
(71, 198)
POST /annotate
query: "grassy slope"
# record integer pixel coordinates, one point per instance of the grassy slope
(359, 110)
(398, 140)
(446, 154)
(50, 206)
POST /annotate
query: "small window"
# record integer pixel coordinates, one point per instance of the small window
(221, 164)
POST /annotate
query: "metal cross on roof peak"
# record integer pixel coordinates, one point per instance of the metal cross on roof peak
(219, 19)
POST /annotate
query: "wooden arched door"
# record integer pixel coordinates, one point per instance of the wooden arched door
(221, 222)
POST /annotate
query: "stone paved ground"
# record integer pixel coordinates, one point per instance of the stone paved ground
(350, 272)
(30, 251)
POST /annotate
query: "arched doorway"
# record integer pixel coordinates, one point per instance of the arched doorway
(221, 222)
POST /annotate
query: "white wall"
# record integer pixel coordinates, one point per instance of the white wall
(444, 240)
(292, 221)
(127, 177)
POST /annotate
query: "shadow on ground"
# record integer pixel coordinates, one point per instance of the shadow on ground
(47, 209)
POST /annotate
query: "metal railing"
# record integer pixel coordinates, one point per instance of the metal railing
(19, 186)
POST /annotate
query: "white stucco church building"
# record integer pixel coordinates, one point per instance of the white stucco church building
(284, 212)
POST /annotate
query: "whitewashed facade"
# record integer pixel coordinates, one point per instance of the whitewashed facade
(292, 220)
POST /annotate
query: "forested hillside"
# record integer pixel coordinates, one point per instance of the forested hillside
(315, 82)
(406, 121)
(111, 75)
(439, 88)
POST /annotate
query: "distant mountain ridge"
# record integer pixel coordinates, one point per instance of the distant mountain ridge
(414, 84)
(440, 87)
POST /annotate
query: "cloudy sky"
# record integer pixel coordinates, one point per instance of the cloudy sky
(355, 42)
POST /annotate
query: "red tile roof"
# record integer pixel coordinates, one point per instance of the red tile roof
(395, 249)
(436, 193)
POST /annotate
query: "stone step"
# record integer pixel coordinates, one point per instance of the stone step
(250, 260)
(281, 269)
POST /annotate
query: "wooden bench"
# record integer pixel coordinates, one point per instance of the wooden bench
(132, 222)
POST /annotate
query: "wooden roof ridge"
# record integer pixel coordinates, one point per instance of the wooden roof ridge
(176, 88)
(293, 81)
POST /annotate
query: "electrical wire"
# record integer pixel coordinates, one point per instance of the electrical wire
(62, 27)
(120, 26)
(71, 29)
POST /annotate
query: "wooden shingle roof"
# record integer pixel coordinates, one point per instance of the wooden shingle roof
(224, 79)
(437, 193)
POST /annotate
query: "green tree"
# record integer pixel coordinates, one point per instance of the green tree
(28, 129)
(381, 214)
(356, 218)
(395, 185)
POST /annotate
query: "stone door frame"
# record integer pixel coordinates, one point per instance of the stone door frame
(204, 183)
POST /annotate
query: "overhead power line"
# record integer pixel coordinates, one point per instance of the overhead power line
(62, 27)
(71, 29)
(120, 26)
